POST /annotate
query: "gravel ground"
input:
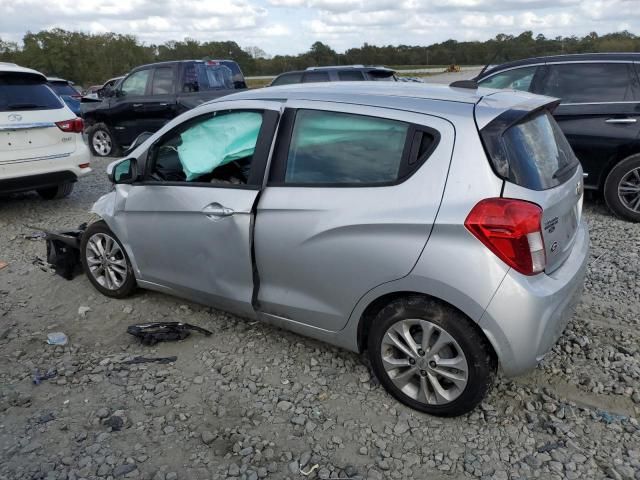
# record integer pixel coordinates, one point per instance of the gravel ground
(253, 401)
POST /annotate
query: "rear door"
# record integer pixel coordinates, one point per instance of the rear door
(599, 111)
(28, 112)
(350, 203)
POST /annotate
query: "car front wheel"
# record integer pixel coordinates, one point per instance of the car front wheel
(622, 189)
(105, 262)
(430, 357)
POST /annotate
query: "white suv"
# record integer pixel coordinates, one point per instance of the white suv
(41, 146)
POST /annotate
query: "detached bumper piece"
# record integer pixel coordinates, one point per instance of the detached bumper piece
(63, 251)
(152, 333)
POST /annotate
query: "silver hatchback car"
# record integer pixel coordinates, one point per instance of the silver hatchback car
(439, 229)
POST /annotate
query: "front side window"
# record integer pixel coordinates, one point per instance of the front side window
(136, 83)
(216, 148)
(589, 82)
(342, 148)
(312, 77)
(516, 79)
(162, 81)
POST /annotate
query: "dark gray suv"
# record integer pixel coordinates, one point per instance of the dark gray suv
(342, 73)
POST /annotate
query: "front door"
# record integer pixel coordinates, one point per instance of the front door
(189, 223)
(350, 204)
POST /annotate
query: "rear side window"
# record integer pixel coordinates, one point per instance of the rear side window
(311, 77)
(24, 93)
(589, 82)
(341, 148)
(348, 76)
(288, 79)
(516, 79)
(162, 83)
(533, 153)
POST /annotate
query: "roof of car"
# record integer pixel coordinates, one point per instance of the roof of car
(364, 68)
(57, 80)
(574, 57)
(171, 62)
(6, 67)
(363, 90)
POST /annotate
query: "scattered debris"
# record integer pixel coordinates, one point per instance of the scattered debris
(63, 250)
(82, 311)
(161, 360)
(57, 338)
(152, 333)
(3, 264)
(47, 417)
(37, 235)
(38, 378)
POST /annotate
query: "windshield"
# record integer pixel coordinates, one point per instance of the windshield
(19, 93)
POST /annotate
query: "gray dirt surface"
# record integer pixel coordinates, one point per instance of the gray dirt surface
(252, 401)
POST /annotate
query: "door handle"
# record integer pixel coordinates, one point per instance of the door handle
(620, 120)
(136, 105)
(215, 210)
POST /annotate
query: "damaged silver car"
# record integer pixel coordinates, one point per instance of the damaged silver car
(439, 229)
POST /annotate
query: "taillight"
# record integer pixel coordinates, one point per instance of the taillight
(512, 230)
(75, 125)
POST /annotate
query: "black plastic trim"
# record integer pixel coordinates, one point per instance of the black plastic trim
(33, 182)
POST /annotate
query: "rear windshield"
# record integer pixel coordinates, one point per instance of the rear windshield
(20, 93)
(63, 89)
(533, 153)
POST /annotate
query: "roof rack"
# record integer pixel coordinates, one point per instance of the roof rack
(335, 66)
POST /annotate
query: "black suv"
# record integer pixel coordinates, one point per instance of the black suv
(599, 113)
(151, 95)
(342, 73)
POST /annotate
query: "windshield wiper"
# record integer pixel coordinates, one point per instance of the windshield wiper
(25, 106)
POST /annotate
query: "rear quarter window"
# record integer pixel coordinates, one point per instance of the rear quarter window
(20, 93)
(532, 153)
(287, 79)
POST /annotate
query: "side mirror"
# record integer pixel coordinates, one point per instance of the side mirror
(124, 172)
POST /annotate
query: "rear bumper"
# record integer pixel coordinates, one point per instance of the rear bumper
(45, 172)
(527, 315)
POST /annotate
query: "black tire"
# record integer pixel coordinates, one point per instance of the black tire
(129, 284)
(102, 142)
(480, 359)
(616, 204)
(59, 191)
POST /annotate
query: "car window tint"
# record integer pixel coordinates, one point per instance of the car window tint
(136, 83)
(588, 82)
(214, 149)
(311, 77)
(190, 82)
(341, 148)
(162, 81)
(63, 89)
(516, 79)
(215, 76)
(24, 93)
(288, 78)
(348, 76)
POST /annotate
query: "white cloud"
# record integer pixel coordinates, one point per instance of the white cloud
(291, 26)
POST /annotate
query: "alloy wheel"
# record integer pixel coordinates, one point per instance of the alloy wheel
(629, 190)
(101, 142)
(106, 261)
(424, 361)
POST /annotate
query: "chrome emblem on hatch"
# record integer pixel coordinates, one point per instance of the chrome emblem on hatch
(554, 246)
(579, 189)
(14, 117)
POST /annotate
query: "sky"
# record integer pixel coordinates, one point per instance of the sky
(291, 26)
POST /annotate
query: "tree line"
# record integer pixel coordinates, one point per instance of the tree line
(92, 58)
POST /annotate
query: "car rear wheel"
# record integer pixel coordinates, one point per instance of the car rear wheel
(430, 357)
(59, 191)
(622, 189)
(102, 142)
(105, 262)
